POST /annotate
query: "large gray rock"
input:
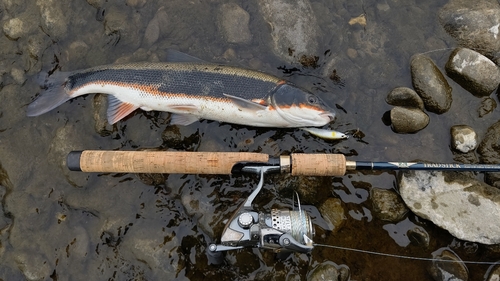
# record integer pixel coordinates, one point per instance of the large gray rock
(294, 27)
(474, 24)
(430, 84)
(473, 71)
(408, 119)
(464, 206)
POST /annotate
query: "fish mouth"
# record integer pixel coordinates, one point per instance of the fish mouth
(329, 115)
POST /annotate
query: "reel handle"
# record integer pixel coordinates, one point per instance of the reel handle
(181, 162)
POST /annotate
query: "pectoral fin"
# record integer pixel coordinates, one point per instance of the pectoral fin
(244, 103)
(117, 110)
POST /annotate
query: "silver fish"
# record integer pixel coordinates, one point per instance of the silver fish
(190, 90)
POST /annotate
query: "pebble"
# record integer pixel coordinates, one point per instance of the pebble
(408, 120)
(463, 138)
(55, 21)
(329, 271)
(387, 205)
(404, 96)
(473, 71)
(14, 28)
(156, 27)
(493, 273)
(333, 213)
(233, 24)
(430, 84)
(490, 152)
(487, 106)
(443, 270)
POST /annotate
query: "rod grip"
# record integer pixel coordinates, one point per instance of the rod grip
(171, 162)
(318, 164)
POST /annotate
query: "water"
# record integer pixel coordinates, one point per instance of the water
(68, 225)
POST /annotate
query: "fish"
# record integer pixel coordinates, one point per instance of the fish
(326, 134)
(190, 89)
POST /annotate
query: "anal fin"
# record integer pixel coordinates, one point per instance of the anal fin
(183, 119)
(117, 110)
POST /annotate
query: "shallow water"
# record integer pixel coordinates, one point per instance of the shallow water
(62, 225)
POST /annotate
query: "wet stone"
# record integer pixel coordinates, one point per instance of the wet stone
(294, 28)
(329, 271)
(55, 20)
(418, 236)
(493, 273)
(430, 84)
(233, 24)
(101, 125)
(489, 151)
(473, 71)
(487, 106)
(442, 269)
(33, 265)
(463, 138)
(387, 205)
(333, 213)
(453, 201)
(403, 96)
(156, 27)
(408, 120)
(474, 24)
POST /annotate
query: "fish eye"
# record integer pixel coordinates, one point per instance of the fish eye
(312, 99)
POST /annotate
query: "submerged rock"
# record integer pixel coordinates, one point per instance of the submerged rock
(233, 23)
(463, 138)
(473, 71)
(442, 269)
(387, 205)
(333, 213)
(464, 206)
(329, 271)
(489, 151)
(403, 96)
(493, 273)
(474, 24)
(487, 106)
(430, 84)
(294, 27)
(408, 120)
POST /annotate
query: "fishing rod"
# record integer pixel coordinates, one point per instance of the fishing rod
(281, 230)
(296, 164)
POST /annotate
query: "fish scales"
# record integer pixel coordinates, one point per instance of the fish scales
(189, 79)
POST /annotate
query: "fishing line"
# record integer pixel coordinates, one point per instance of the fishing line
(401, 256)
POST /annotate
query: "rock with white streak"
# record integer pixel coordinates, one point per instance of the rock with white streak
(474, 24)
(473, 71)
(463, 138)
(464, 206)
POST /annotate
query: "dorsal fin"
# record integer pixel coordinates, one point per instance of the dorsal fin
(177, 56)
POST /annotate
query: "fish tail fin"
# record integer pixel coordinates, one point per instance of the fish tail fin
(54, 94)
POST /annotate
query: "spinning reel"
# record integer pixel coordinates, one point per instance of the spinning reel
(281, 230)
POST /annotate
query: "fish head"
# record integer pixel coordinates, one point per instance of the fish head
(300, 108)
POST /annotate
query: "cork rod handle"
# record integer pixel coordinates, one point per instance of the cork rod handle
(181, 162)
(171, 162)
